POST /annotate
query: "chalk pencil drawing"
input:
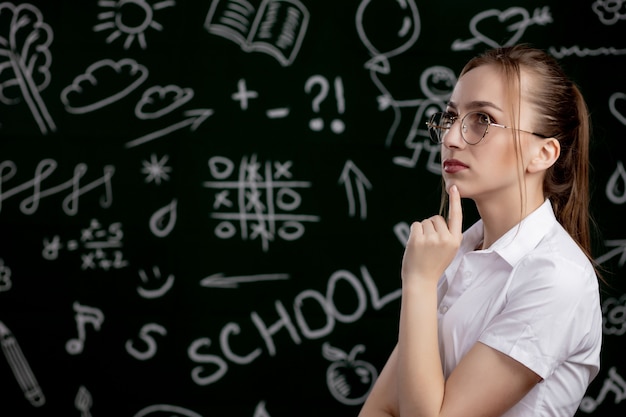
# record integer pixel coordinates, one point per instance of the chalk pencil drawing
(103, 83)
(21, 369)
(129, 18)
(83, 316)
(349, 380)
(25, 60)
(5, 277)
(274, 27)
(509, 24)
(609, 12)
(265, 200)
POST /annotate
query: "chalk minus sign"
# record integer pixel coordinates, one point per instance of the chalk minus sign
(277, 113)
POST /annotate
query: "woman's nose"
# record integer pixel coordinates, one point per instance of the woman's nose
(453, 138)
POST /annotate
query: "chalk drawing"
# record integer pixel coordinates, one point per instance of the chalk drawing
(83, 401)
(620, 250)
(563, 52)
(617, 105)
(145, 334)
(265, 199)
(103, 83)
(161, 289)
(118, 13)
(83, 315)
(166, 409)
(273, 27)
(20, 367)
(609, 12)
(5, 277)
(163, 221)
(218, 280)
(615, 384)
(614, 316)
(510, 24)
(320, 83)
(616, 185)
(194, 118)
(355, 183)
(156, 169)
(157, 101)
(25, 60)
(349, 380)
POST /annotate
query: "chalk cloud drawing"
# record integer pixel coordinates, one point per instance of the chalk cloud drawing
(158, 101)
(118, 15)
(265, 197)
(83, 401)
(5, 277)
(274, 27)
(609, 11)
(20, 367)
(617, 105)
(615, 384)
(103, 83)
(348, 379)
(25, 60)
(509, 24)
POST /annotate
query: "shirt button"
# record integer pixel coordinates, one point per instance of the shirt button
(443, 309)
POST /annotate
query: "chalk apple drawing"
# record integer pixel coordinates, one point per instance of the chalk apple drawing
(349, 380)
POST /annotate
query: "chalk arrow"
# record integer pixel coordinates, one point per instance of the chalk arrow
(196, 118)
(353, 175)
(220, 281)
(619, 250)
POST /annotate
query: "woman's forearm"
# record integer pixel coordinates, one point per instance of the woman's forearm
(420, 377)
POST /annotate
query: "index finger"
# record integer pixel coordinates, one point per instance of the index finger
(455, 211)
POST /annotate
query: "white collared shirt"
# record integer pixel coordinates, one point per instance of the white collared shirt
(533, 295)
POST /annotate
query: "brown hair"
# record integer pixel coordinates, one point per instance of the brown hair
(563, 115)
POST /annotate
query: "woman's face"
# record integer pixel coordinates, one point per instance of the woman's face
(489, 169)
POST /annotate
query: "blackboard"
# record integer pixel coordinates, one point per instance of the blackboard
(203, 204)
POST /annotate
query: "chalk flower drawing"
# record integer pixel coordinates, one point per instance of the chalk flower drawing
(130, 18)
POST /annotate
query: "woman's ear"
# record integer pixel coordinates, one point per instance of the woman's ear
(546, 154)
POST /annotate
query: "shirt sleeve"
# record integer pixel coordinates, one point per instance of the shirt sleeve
(550, 316)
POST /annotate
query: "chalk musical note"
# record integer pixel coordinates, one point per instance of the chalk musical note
(84, 315)
(349, 175)
(20, 367)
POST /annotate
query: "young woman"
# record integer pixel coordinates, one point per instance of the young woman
(503, 319)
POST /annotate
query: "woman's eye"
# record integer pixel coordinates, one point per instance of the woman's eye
(484, 119)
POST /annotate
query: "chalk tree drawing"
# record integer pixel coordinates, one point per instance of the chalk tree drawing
(274, 27)
(262, 202)
(20, 367)
(349, 380)
(25, 60)
(509, 24)
(609, 11)
(103, 83)
(118, 13)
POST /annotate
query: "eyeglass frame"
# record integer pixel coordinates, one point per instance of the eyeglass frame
(432, 126)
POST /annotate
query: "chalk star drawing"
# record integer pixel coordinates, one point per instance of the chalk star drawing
(156, 169)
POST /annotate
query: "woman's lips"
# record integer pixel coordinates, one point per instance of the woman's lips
(452, 166)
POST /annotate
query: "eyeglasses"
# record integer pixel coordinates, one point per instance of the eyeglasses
(474, 126)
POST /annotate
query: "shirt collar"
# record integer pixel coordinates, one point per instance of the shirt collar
(519, 240)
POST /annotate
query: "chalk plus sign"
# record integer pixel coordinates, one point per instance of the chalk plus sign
(243, 94)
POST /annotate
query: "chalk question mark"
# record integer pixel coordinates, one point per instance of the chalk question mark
(317, 124)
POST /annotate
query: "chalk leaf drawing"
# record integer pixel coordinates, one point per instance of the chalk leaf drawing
(103, 83)
(617, 105)
(25, 60)
(274, 27)
(509, 24)
(120, 13)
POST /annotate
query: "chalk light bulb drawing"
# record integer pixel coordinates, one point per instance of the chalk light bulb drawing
(130, 18)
